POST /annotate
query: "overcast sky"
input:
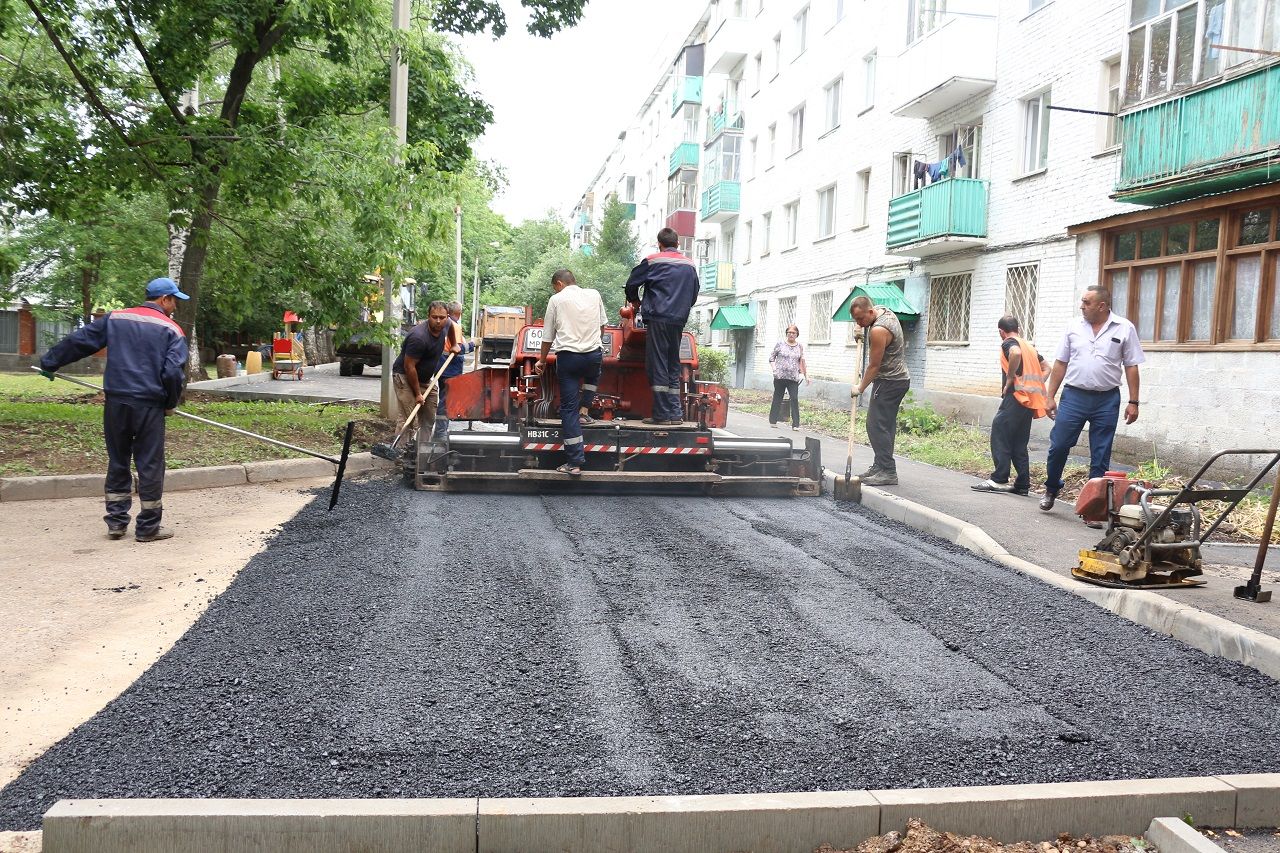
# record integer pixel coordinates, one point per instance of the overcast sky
(559, 103)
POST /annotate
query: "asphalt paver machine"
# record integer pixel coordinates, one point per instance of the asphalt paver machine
(513, 440)
(1154, 536)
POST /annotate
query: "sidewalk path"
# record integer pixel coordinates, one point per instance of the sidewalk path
(1051, 540)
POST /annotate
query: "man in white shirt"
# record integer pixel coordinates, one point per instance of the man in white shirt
(1097, 351)
(574, 321)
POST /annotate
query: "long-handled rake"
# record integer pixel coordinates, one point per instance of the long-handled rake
(391, 452)
(340, 461)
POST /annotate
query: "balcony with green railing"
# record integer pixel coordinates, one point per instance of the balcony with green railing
(727, 118)
(685, 156)
(942, 217)
(716, 277)
(721, 201)
(688, 91)
(1222, 137)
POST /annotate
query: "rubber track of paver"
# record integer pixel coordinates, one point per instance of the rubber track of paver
(418, 645)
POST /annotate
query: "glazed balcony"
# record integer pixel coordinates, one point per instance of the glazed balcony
(942, 217)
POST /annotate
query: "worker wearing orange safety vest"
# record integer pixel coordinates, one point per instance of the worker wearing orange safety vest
(1023, 399)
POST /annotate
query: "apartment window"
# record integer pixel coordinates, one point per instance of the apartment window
(684, 245)
(832, 92)
(862, 198)
(791, 217)
(923, 17)
(826, 212)
(692, 115)
(723, 160)
(682, 191)
(839, 16)
(901, 174)
(766, 230)
(820, 318)
(949, 308)
(1109, 126)
(968, 138)
(1035, 133)
(749, 243)
(797, 129)
(802, 30)
(773, 144)
(1032, 5)
(1020, 283)
(753, 159)
(869, 80)
(1167, 280)
(786, 312)
(757, 72)
(629, 189)
(728, 245)
(762, 323)
(777, 54)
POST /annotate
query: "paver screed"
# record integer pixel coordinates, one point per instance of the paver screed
(418, 645)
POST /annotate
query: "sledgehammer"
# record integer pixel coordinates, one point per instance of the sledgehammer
(341, 461)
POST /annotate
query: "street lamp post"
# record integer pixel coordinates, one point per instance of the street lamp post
(398, 110)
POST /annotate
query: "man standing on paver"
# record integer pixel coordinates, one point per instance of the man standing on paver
(887, 368)
(1096, 351)
(573, 324)
(1023, 399)
(417, 363)
(453, 369)
(145, 373)
(670, 283)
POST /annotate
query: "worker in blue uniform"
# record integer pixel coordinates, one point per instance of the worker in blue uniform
(144, 377)
(670, 282)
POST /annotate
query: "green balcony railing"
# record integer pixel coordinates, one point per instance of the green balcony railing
(721, 200)
(717, 277)
(628, 210)
(1220, 138)
(727, 118)
(688, 91)
(685, 156)
(954, 208)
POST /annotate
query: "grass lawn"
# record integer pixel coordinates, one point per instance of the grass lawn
(57, 429)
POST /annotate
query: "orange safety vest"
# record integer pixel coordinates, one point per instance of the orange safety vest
(1029, 388)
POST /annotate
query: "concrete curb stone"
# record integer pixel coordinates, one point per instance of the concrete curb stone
(287, 469)
(1173, 835)
(1257, 798)
(1198, 629)
(205, 478)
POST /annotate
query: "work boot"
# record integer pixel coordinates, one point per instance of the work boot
(881, 478)
(116, 532)
(870, 472)
(1046, 502)
(160, 533)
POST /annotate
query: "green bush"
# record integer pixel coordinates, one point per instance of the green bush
(919, 418)
(713, 364)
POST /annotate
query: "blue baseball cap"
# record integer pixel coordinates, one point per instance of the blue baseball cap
(158, 287)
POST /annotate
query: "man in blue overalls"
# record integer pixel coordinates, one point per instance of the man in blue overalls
(146, 364)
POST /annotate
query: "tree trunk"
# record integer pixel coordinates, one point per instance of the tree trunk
(88, 279)
(192, 274)
(177, 242)
(309, 346)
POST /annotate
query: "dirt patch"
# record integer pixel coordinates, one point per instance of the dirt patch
(920, 838)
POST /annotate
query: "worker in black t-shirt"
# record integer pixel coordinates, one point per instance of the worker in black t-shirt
(417, 362)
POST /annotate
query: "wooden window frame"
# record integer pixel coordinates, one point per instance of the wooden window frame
(1226, 256)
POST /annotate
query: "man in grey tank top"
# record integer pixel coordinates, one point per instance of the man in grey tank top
(887, 368)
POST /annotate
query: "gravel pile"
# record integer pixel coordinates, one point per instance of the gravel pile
(420, 645)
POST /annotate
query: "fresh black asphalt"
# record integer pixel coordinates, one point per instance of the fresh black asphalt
(424, 645)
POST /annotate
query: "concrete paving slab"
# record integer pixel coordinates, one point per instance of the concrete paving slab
(1174, 835)
(250, 826)
(1257, 799)
(320, 384)
(762, 823)
(1028, 812)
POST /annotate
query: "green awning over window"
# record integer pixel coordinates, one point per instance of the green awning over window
(733, 317)
(886, 293)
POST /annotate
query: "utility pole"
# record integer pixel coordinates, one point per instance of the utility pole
(457, 266)
(475, 296)
(399, 113)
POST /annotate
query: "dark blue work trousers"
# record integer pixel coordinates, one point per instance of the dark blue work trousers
(578, 374)
(1010, 432)
(134, 432)
(442, 415)
(662, 364)
(1101, 411)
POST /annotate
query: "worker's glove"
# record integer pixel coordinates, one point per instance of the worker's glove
(47, 374)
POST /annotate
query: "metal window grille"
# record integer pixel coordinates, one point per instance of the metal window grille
(762, 323)
(820, 318)
(1020, 296)
(786, 313)
(949, 308)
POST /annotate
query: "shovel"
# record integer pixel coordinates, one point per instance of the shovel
(391, 452)
(850, 488)
(341, 461)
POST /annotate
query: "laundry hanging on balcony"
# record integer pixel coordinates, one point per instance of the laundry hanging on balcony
(940, 170)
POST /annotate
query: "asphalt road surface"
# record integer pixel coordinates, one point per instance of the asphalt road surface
(414, 644)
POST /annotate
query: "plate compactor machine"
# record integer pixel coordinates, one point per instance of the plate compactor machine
(1153, 536)
(513, 442)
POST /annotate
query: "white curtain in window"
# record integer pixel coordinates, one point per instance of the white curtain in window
(1120, 292)
(1203, 281)
(1274, 333)
(1148, 282)
(1169, 308)
(1248, 280)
